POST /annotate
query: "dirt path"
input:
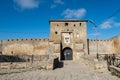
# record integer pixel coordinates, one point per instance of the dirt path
(71, 71)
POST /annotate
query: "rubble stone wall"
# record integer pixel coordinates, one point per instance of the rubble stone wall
(101, 46)
(116, 41)
(24, 47)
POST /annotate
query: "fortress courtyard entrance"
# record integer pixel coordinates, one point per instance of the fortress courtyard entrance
(67, 54)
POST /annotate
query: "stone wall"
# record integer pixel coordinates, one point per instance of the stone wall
(116, 41)
(25, 46)
(69, 33)
(22, 62)
(100, 46)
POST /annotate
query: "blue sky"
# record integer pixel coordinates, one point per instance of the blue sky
(30, 18)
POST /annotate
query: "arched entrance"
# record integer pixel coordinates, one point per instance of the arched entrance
(67, 54)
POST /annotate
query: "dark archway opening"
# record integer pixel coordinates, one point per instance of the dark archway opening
(67, 54)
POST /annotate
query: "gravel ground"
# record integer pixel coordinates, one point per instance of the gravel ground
(71, 71)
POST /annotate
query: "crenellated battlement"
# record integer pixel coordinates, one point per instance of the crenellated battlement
(63, 34)
(94, 40)
(24, 40)
(24, 46)
(101, 46)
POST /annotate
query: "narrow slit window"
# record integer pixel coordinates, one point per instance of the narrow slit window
(80, 24)
(56, 32)
(66, 24)
(74, 25)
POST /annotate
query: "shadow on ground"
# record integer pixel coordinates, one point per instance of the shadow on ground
(58, 64)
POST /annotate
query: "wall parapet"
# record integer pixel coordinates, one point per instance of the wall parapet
(94, 40)
(25, 39)
(100, 46)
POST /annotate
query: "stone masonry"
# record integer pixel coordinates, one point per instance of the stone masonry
(68, 40)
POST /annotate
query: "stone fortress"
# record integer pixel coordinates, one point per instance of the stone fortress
(68, 41)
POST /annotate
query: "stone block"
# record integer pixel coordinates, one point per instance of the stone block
(49, 67)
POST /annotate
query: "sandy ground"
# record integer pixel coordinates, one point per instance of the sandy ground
(70, 71)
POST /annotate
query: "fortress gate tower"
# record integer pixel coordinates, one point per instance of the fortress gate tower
(69, 38)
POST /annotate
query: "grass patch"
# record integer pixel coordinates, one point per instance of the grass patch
(114, 74)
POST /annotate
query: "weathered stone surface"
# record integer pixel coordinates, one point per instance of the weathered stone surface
(25, 47)
(63, 34)
(49, 67)
(70, 71)
(115, 70)
(101, 46)
(69, 33)
(116, 44)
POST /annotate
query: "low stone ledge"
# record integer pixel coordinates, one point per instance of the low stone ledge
(12, 67)
(22, 65)
(94, 63)
(115, 70)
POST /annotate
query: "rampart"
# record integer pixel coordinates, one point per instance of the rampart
(24, 46)
(101, 46)
(116, 41)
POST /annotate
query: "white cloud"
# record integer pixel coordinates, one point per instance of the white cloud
(53, 6)
(117, 24)
(56, 2)
(109, 24)
(26, 4)
(74, 13)
(106, 24)
(95, 34)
